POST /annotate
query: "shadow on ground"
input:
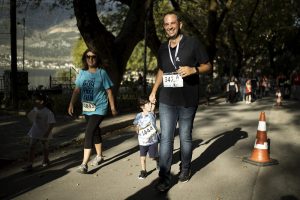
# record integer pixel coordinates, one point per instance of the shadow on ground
(222, 142)
(22, 182)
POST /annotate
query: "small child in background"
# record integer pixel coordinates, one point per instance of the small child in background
(43, 120)
(145, 122)
(208, 92)
(248, 92)
(278, 97)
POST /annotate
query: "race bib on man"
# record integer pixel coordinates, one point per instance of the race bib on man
(88, 107)
(172, 80)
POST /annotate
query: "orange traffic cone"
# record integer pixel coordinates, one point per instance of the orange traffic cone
(260, 154)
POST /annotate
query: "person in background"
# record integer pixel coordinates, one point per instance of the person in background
(261, 86)
(94, 87)
(278, 95)
(254, 88)
(145, 123)
(43, 121)
(180, 60)
(295, 82)
(248, 91)
(140, 79)
(232, 90)
(208, 92)
(265, 86)
(242, 87)
(280, 81)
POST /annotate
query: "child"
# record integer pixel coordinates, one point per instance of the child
(232, 90)
(248, 91)
(208, 92)
(278, 98)
(145, 122)
(43, 120)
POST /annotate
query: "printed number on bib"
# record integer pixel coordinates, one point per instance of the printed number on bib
(148, 131)
(88, 107)
(172, 80)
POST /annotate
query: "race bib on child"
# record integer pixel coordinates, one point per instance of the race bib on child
(148, 131)
(88, 107)
(172, 80)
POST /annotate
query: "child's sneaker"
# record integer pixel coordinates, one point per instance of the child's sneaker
(83, 168)
(27, 168)
(143, 174)
(45, 163)
(157, 166)
(97, 160)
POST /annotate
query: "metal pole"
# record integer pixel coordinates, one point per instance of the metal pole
(24, 29)
(23, 43)
(70, 81)
(145, 52)
(13, 49)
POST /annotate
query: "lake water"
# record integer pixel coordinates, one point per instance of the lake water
(37, 77)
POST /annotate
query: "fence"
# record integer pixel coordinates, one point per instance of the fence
(60, 89)
(1, 84)
(64, 82)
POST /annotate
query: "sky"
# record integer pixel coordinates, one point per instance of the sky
(45, 29)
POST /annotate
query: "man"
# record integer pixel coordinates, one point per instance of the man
(180, 60)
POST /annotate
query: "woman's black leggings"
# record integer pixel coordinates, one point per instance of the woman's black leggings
(93, 131)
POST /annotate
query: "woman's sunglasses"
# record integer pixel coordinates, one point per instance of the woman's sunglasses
(90, 56)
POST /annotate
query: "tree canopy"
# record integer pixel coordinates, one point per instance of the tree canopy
(240, 36)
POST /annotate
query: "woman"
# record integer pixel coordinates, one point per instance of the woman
(94, 87)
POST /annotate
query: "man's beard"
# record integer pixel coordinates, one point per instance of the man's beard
(174, 36)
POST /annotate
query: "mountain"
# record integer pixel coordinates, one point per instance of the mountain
(50, 32)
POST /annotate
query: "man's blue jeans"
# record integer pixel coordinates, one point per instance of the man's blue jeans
(169, 115)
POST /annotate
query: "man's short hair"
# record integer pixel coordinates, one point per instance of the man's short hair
(173, 13)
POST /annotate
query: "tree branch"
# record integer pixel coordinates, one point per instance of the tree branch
(133, 28)
(153, 40)
(188, 23)
(92, 30)
(248, 29)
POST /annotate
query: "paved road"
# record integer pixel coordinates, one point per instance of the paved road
(67, 130)
(223, 135)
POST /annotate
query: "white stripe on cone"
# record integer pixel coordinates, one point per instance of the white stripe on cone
(262, 126)
(261, 146)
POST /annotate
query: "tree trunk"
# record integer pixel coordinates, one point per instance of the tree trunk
(237, 49)
(115, 51)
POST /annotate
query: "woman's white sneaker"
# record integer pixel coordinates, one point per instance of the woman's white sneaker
(96, 161)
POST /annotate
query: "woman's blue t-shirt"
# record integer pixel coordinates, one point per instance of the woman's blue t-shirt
(93, 88)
